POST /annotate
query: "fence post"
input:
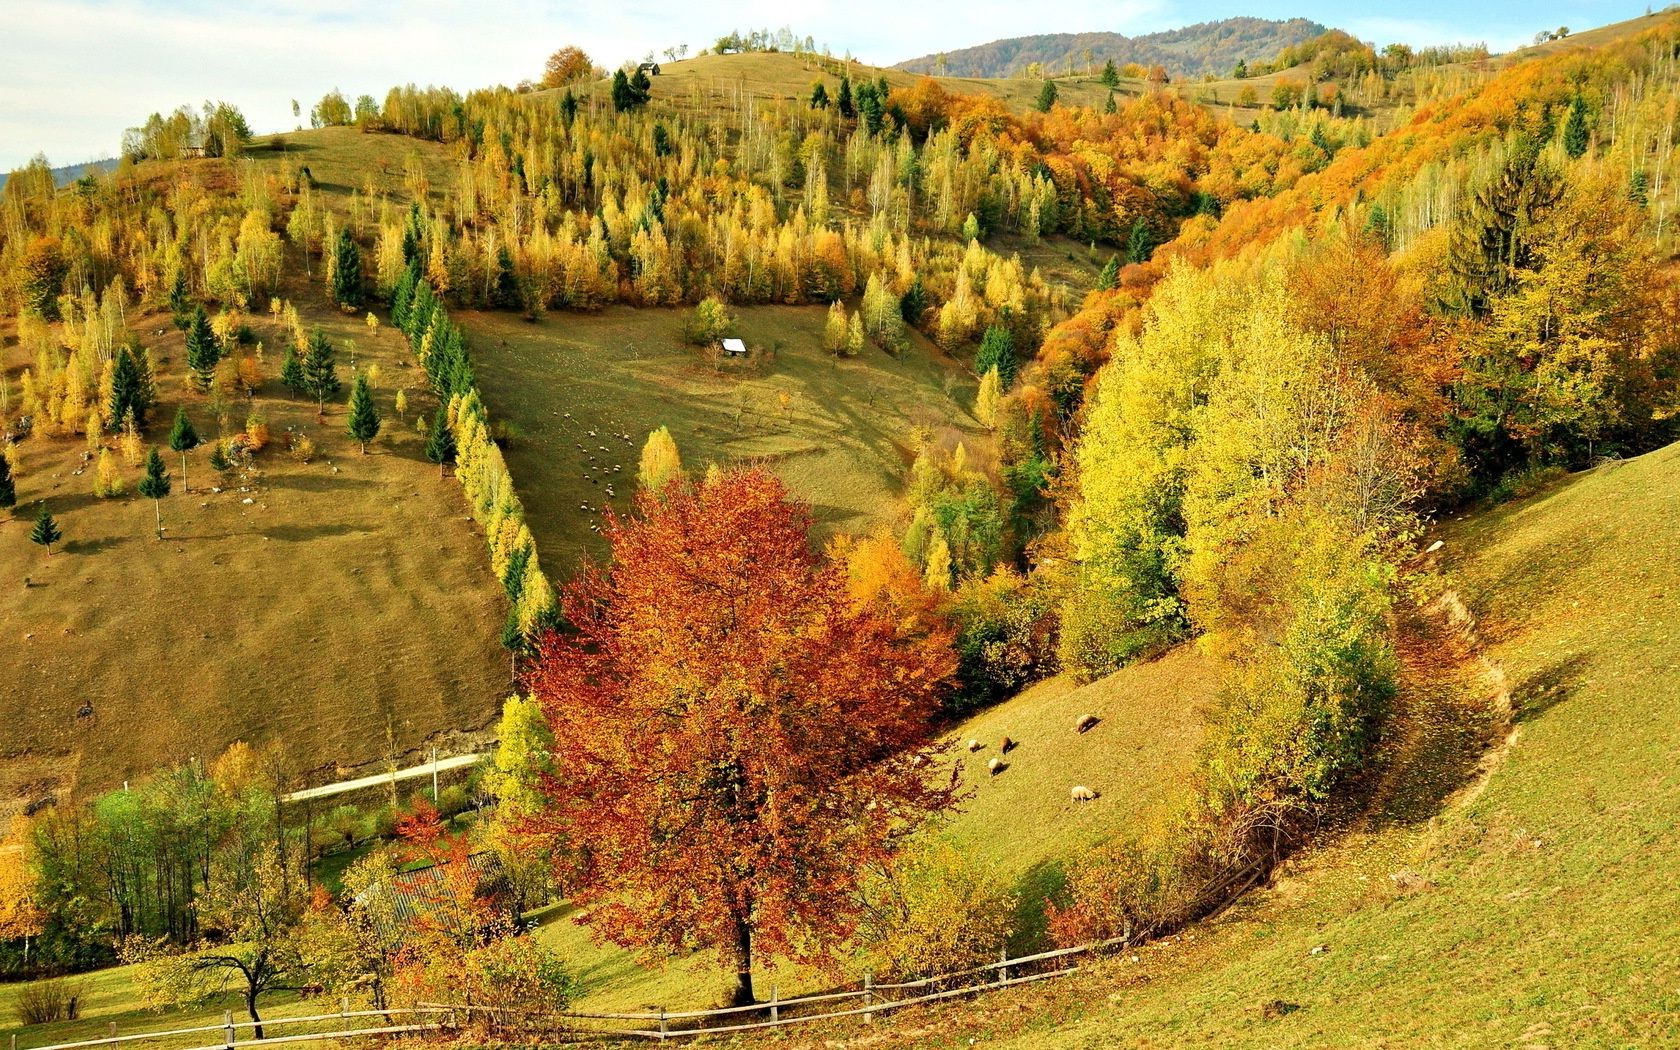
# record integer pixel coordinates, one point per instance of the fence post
(662, 1028)
(1003, 967)
(868, 997)
(227, 1027)
(343, 1007)
(111, 1029)
(775, 1010)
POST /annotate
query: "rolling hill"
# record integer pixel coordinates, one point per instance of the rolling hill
(1194, 51)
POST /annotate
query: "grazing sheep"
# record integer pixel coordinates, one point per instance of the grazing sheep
(1081, 793)
(1007, 746)
(1085, 723)
(975, 745)
(996, 766)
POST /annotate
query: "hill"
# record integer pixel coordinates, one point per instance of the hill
(1514, 900)
(1194, 51)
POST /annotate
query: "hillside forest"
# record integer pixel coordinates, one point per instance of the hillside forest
(1220, 364)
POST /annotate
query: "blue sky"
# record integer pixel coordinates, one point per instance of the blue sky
(74, 73)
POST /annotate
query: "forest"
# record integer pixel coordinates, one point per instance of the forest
(1232, 365)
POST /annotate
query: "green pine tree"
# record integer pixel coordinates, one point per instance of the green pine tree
(843, 98)
(347, 271)
(1110, 75)
(440, 446)
(203, 351)
(364, 418)
(178, 297)
(8, 487)
(1575, 133)
(1137, 245)
(1109, 107)
(155, 485)
(1046, 96)
(320, 375)
(183, 439)
(46, 531)
(1110, 276)
(127, 388)
(997, 350)
(291, 372)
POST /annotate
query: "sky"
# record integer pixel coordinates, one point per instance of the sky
(75, 73)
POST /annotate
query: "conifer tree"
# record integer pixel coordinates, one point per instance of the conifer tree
(183, 439)
(45, 532)
(291, 372)
(155, 485)
(8, 487)
(364, 418)
(504, 294)
(1575, 136)
(1109, 107)
(320, 375)
(178, 297)
(127, 389)
(1110, 276)
(1046, 96)
(440, 446)
(843, 98)
(347, 271)
(203, 351)
(1110, 76)
(819, 95)
(997, 350)
(1137, 244)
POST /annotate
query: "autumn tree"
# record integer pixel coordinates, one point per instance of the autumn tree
(660, 461)
(566, 65)
(155, 485)
(8, 487)
(183, 439)
(364, 420)
(740, 740)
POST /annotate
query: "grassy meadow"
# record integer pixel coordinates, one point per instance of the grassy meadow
(342, 607)
(582, 392)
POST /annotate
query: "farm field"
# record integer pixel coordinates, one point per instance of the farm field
(344, 608)
(582, 392)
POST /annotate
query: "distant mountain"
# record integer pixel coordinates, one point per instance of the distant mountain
(71, 172)
(1207, 47)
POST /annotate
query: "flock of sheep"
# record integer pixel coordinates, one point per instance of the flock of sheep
(995, 765)
(599, 472)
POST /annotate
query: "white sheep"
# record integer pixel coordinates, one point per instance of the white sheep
(1081, 793)
(974, 745)
(996, 766)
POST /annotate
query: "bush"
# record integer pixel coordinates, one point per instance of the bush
(1526, 482)
(1005, 637)
(302, 449)
(711, 321)
(934, 912)
(452, 800)
(519, 983)
(256, 433)
(1134, 889)
(46, 1001)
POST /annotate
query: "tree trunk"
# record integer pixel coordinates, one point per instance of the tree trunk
(743, 967)
(157, 505)
(251, 1008)
(185, 486)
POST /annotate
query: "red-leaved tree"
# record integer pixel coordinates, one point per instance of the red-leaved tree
(735, 741)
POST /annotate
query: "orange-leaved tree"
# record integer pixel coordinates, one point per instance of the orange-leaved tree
(735, 739)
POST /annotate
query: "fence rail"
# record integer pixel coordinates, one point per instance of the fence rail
(661, 1025)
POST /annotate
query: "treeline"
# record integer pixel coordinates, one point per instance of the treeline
(219, 130)
(461, 433)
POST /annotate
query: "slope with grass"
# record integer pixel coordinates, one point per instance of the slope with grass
(1525, 900)
(583, 391)
(343, 607)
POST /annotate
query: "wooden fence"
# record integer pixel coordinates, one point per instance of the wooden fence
(866, 1001)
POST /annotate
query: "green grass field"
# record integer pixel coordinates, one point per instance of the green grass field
(334, 602)
(1534, 906)
(583, 391)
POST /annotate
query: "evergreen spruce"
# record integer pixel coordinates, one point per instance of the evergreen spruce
(440, 446)
(127, 388)
(504, 294)
(320, 375)
(997, 350)
(203, 352)
(1137, 245)
(819, 95)
(46, 532)
(1109, 107)
(1110, 75)
(402, 296)
(1110, 276)
(1575, 134)
(623, 95)
(291, 371)
(8, 487)
(155, 485)
(843, 99)
(364, 418)
(347, 271)
(178, 298)
(183, 439)
(1046, 96)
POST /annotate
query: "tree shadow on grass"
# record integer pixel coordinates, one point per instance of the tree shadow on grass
(97, 544)
(297, 533)
(318, 483)
(1546, 688)
(1043, 884)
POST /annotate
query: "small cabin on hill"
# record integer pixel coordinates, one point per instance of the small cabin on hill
(734, 348)
(650, 68)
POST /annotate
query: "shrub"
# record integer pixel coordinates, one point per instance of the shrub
(711, 321)
(256, 433)
(1134, 889)
(452, 800)
(302, 449)
(46, 1001)
(934, 912)
(518, 982)
(1005, 637)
